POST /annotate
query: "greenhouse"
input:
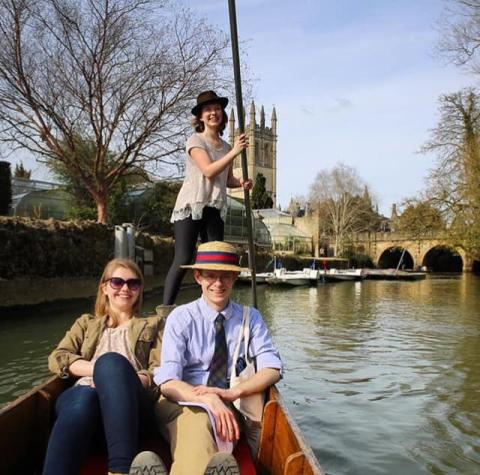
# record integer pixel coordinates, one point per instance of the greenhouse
(284, 235)
(287, 238)
(41, 204)
(236, 225)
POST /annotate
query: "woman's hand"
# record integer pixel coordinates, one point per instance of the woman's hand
(241, 143)
(144, 380)
(246, 184)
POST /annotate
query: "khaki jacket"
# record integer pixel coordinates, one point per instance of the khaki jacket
(80, 342)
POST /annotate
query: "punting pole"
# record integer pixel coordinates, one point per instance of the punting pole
(241, 126)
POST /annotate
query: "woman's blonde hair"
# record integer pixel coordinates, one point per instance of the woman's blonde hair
(102, 306)
(199, 126)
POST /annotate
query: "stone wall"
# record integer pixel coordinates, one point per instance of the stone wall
(48, 260)
(50, 248)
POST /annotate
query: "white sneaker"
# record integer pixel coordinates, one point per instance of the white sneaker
(147, 463)
(222, 463)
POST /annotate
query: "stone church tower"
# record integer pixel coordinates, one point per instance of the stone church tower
(261, 152)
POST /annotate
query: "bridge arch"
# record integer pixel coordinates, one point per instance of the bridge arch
(391, 256)
(443, 258)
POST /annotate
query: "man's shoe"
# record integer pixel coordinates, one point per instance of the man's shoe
(222, 463)
(147, 463)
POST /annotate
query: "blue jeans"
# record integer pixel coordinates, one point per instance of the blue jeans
(119, 405)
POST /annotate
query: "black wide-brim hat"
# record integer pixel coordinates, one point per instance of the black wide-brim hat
(209, 97)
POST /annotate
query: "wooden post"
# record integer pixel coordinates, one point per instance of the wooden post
(241, 126)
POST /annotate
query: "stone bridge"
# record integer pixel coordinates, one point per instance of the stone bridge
(385, 250)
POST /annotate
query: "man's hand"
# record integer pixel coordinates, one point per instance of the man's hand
(225, 421)
(230, 394)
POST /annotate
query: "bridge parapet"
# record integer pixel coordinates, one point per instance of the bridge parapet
(399, 236)
(418, 246)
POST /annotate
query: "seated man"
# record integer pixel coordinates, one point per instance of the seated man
(198, 345)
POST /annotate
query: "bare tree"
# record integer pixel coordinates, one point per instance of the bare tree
(460, 33)
(453, 183)
(118, 73)
(337, 196)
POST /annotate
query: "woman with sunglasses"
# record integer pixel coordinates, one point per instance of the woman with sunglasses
(111, 354)
(201, 204)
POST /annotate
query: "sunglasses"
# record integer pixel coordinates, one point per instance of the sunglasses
(116, 283)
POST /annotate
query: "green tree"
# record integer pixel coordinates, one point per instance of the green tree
(420, 217)
(121, 72)
(21, 172)
(260, 197)
(5, 188)
(155, 214)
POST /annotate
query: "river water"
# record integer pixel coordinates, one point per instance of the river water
(383, 377)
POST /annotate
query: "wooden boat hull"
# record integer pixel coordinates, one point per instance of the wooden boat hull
(336, 275)
(25, 427)
(392, 274)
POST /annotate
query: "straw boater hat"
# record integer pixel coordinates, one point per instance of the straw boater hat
(216, 255)
(209, 97)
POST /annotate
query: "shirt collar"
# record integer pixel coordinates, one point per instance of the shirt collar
(211, 313)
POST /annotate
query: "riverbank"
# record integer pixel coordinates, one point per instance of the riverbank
(45, 261)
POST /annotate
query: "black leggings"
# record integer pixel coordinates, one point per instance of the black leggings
(210, 228)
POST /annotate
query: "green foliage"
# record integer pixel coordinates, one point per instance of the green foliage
(5, 188)
(156, 211)
(420, 217)
(357, 259)
(260, 197)
(22, 172)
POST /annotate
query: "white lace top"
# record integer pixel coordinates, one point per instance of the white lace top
(112, 340)
(197, 190)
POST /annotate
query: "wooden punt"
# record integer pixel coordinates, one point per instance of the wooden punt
(26, 422)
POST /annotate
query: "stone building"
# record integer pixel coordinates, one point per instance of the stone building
(261, 152)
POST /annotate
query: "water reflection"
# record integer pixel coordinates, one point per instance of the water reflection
(383, 377)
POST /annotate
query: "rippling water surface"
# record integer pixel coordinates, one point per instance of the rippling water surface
(382, 377)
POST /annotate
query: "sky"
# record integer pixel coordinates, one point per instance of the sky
(353, 82)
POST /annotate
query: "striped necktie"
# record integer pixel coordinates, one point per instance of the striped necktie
(218, 365)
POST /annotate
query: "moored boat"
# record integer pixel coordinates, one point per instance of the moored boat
(260, 277)
(291, 278)
(341, 275)
(394, 274)
(26, 422)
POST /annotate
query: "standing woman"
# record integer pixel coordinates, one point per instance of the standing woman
(201, 204)
(113, 355)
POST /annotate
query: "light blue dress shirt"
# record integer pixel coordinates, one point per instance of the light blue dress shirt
(189, 342)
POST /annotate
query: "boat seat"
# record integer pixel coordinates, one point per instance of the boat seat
(97, 464)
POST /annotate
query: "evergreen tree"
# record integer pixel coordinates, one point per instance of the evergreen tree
(5, 188)
(21, 172)
(260, 197)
